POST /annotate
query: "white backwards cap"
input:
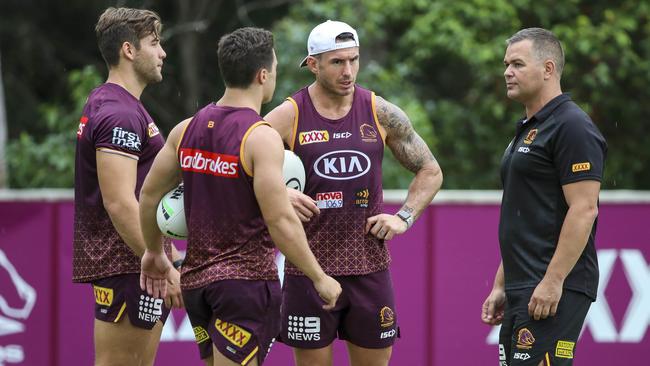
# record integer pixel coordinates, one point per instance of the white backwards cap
(323, 38)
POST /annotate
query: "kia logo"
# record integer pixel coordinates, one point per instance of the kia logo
(342, 165)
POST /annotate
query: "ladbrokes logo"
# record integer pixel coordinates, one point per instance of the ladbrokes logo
(311, 137)
(342, 165)
(103, 296)
(235, 334)
(126, 139)
(329, 199)
(206, 162)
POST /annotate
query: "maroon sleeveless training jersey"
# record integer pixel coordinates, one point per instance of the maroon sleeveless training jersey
(115, 121)
(227, 237)
(342, 160)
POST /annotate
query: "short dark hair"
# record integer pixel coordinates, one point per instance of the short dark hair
(118, 25)
(242, 54)
(545, 45)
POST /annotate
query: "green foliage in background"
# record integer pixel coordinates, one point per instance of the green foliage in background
(47, 160)
(442, 62)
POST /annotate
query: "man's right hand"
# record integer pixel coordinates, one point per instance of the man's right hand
(493, 307)
(153, 275)
(304, 206)
(329, 290)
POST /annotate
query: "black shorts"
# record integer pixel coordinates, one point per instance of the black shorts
(364, 315)
(526, 341)
(119, 294)
(240, 317)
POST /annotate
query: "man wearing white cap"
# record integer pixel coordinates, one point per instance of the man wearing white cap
(339, 130)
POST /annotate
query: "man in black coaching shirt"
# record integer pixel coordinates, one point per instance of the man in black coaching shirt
(551, 174)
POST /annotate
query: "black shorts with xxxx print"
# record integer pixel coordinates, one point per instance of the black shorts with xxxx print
(121, 294)
(241, 318)
(551, 341)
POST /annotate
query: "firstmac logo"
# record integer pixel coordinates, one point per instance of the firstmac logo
(342, 165)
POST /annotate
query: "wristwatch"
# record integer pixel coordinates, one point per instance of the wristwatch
(177, 263)
(406, 217)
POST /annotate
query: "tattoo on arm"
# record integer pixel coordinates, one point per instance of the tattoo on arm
(407, 146)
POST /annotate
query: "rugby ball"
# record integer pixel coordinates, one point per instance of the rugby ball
(171, 214)
(293, 171)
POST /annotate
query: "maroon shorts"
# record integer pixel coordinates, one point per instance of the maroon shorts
(241, 317)
(364, 314)
(119, 294)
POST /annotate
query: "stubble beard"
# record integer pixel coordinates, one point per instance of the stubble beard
(147, 71)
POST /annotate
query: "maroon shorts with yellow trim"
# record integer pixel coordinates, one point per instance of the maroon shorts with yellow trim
(552, 341)
(241, 317)
(364, 314)
(121, 294)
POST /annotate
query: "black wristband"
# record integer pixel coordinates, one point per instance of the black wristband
(177, 263)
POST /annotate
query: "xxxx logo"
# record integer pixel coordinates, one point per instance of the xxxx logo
(103, 296)
(311, 137)
(235, 334)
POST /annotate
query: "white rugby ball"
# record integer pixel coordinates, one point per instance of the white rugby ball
(171, 214)
(293, 171)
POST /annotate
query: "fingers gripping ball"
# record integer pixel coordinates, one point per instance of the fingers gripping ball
(293, 171)
(171, 214)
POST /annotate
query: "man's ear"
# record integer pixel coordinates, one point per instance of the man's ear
(262, 75)
(549, 69)
(312, 64)
(128, 50)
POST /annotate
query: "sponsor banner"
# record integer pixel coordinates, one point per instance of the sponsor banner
(329, 200)
(441, 274)
(312, 137)
(126, 139)
(342, 165)
(207, 162)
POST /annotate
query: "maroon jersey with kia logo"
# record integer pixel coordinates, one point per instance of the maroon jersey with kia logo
(227, 236)
(115, 122)
(342, 160)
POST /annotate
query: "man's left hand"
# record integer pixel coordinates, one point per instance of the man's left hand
(385, 226)
(543, 303)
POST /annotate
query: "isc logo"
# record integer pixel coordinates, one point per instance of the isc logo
(342, 165)
(388, 334)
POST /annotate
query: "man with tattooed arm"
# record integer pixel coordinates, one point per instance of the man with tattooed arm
(339, 130)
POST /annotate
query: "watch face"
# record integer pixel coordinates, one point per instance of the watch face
(404, 215)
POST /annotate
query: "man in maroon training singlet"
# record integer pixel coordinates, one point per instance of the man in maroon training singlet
(230, 161)
(117, 141)
(339, 130)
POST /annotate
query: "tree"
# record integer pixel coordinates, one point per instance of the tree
(3, 132)
(442, 62)
(47, 159)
